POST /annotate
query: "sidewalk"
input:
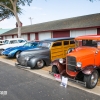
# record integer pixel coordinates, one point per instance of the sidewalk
(45, 73)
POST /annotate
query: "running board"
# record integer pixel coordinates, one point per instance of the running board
(21, 67)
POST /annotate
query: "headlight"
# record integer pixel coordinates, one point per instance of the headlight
(27, 58)
(61, 60)
(79, 64)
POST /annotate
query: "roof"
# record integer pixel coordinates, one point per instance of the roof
(86, 21)
(58, 39)
(15, 39)
(4, 30)
(88, 37)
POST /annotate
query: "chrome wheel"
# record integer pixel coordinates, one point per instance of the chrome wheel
(40, 64)
(92, 79)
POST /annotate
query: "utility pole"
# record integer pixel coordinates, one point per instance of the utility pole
(31, 20)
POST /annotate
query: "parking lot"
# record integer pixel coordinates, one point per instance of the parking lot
(45, 73)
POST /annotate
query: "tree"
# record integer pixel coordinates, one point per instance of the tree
(93, 0)
(10, 8)
(5, 13)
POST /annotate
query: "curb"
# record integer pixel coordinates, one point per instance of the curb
(46, 74)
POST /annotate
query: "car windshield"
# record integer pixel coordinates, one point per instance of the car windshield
(29, 44)
(44, 44)
(13, 41)
(6, 42)
(91, 43)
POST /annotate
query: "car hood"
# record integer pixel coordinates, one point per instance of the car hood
(81, 52)
(14, 48)
(3, 46)
(35, 51)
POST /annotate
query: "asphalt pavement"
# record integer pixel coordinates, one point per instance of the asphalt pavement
(45, 73)
(17, 84)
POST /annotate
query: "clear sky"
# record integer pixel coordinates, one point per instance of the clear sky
(49, 10)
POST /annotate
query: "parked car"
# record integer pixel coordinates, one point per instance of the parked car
(47, 51)
(1, 42)
(82, 64)
(12, 43)
(14, 51)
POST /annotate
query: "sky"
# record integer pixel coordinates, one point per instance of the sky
(48, 10)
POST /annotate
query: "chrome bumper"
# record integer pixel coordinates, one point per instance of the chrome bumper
(71, 80)
(20, 66)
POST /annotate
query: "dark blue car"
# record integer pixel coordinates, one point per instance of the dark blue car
(14, 51)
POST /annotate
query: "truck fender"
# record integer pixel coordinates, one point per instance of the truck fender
(61, 67)
(88, 70)
(56, 63)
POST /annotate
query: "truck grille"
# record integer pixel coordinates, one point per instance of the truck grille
(71, 63)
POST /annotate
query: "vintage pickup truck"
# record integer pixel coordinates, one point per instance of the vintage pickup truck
(83, 63)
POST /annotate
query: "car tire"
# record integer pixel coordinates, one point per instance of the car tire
(55, 70)
(40, 64)
(1, 51)
(69, 50)
(17, 53)
(91, 80)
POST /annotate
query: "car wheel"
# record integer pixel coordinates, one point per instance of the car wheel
(91, 80)
(40, 64)
(17, 53)
(55, 69)
(69, 50)
(1, 51)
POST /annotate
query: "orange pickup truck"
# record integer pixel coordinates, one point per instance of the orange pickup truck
(83, 62)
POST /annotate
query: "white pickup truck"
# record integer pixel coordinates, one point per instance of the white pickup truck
(12, 43)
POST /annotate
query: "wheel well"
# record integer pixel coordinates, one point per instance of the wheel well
(80, 76)
(55, 69)
(54, 66)
(98, 72)
(17, 51)
(44, 63)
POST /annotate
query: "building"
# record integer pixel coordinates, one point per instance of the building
(3, 31)
(70, 27)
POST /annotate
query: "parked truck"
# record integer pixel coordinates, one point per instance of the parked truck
(83, 63)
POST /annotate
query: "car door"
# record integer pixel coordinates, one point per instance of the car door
(56, 50)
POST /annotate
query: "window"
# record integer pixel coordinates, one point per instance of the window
(72, 42)
(44, 44)
(66, 42)
(6, 42)
(13, 41)
(57, 44)
(27, 44)
(21, 41)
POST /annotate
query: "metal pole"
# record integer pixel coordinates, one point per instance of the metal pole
(31, 20)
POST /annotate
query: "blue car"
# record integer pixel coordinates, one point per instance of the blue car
(15, 51)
